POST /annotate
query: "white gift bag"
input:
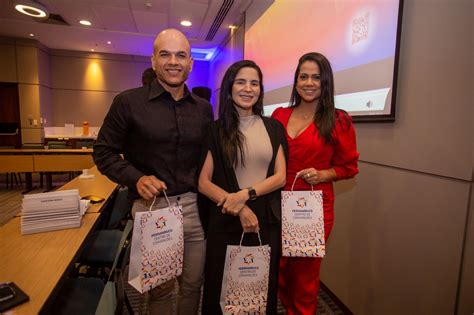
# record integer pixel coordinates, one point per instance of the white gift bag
(245, 279)
(302, 219)
(157, 247)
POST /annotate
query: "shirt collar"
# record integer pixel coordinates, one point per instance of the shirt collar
(157, 90)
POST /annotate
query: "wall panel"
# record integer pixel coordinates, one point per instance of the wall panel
(27, 64)
(91, 74)
(74, 106)
(397, 242)
(8, 63)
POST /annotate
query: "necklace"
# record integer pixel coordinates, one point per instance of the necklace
(307, 116)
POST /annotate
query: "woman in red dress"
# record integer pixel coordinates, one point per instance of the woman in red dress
(322, 149)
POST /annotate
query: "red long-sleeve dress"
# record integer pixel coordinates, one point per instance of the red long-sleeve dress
(299, 276)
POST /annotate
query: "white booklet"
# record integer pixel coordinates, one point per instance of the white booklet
(51, 211)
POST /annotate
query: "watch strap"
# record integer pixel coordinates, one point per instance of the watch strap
(252, 193)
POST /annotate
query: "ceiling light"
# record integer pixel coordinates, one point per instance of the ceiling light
(186, 23)
(31, 8)
(92, 49)
(109, 42)
(205, 54)
(85, 22)
(31, 34)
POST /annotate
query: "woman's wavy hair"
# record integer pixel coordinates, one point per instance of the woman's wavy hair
(325, 115)
(231, 139)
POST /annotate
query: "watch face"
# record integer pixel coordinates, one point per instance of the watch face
(252, 194)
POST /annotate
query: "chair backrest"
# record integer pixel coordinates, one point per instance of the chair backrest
(113, 296)
(120, 210)
(32, 146)
(59, 144)
(120, 252)
(84, 143)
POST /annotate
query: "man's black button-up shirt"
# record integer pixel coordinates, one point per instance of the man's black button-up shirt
(156, 135)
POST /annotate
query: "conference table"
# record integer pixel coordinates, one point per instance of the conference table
(36, 263)
(46, 161)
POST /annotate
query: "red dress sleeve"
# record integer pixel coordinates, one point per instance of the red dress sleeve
(345, 156)
(276, 114)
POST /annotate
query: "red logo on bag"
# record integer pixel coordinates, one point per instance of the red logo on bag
(248, 259)
(301, 202)
(160, 223)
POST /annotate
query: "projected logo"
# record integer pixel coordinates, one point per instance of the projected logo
(360, 28)
(301, 202)
(248, 259)
(160, 223)
(360, 31)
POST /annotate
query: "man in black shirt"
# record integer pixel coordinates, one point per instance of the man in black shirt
(158, 128)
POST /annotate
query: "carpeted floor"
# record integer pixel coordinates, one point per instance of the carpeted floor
(326, 305)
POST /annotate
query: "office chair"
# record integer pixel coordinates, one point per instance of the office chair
(11, 176)
(83, 296)
(59, 144)
(99, 253)
(84, 144)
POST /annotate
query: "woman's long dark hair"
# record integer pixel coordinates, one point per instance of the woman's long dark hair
(325, 115)
(232, 140)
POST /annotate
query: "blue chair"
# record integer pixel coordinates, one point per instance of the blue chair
(113, 296)
(79, 296)
(101, 249)
(84, 296)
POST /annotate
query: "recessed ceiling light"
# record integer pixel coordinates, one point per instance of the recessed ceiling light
(85, 22)
(31, 8)
(92, 49)
(31, 34)
(109, 42)
(186, 23)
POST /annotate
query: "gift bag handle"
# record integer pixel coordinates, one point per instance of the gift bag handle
(294, 181)
(154, 199)
(242, 238)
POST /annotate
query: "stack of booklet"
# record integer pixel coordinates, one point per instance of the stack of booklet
(51, 211)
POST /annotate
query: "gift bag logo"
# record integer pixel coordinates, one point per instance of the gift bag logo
(301, 202)
(245, 279)
(157, 247)
(160, 223)
(248, 259)
(302, 224)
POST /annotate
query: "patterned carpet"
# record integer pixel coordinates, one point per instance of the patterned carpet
(326, 305)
